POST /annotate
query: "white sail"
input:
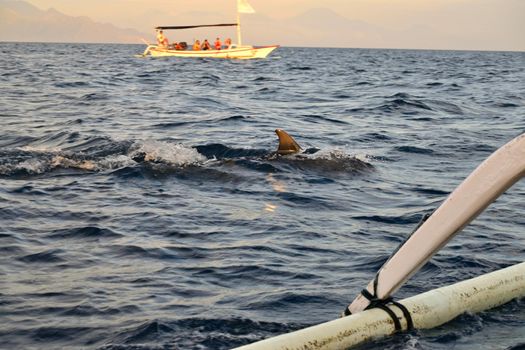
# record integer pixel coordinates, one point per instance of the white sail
(244, 7)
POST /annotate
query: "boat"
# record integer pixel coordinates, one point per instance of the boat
(233, 51)
(374, 313)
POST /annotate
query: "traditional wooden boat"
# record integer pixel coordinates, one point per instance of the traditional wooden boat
(237, 51)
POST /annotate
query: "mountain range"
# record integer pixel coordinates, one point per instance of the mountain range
(21, 21)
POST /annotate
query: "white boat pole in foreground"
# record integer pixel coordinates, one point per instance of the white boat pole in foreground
(488, 181)
(428, 310)
(383, 316)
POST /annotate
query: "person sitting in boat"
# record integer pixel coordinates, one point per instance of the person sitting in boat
(206, 45)
(181, 46)
(218, 44)
(162, 41)
(197, 45)
(228, 43)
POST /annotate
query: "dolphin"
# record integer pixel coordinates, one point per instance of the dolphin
(288, 153)
(287, 144)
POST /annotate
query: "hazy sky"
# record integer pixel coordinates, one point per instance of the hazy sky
(469, 24)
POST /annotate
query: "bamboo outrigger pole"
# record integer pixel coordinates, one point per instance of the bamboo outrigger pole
(428, 310)
(484, 185)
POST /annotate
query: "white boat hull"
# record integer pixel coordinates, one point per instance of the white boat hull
(427, 310)
(243, 52)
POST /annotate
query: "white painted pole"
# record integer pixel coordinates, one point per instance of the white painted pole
(239, 39)
(488, 181)
(428, 310)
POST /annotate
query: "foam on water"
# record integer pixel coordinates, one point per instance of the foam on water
(173, 154)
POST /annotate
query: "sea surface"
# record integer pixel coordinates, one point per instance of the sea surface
(141, 206)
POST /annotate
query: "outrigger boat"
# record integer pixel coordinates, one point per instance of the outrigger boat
(374, 313)
(237, 51)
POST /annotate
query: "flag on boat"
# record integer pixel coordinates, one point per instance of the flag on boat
(244, 7)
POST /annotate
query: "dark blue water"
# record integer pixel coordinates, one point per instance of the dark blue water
(141, 208)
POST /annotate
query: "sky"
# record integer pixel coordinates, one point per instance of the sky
(441, 24)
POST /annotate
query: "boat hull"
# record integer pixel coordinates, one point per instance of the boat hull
(244, 52)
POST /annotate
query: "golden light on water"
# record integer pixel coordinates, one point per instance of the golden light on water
(277, 185)
(270, 207)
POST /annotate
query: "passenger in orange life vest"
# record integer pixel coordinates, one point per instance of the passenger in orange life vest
(161, 39)
(206, 45)
(218, 44)
(228, 43)
(197, 45)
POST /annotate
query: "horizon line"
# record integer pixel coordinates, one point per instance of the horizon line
(282, 46)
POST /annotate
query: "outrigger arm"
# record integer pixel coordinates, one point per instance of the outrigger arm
(484, 185)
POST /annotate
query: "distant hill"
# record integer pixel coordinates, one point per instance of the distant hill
(21, 21)
(320, 27)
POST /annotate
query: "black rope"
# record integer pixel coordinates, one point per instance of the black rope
(383, 305)
(406, 313)
(369, 296)
(392, 315)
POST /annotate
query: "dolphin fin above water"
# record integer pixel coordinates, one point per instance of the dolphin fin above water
(287, 144)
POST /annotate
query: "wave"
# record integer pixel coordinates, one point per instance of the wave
(50, 256)
(166, 153)
(30, 163)
(315, 118)
(300, 68)
(85, 232)
(71, 84)
(69, 153)
(404, 102)
(408, 104)
(414, 149)
(208, 333)
(94, 97)
(330, 162)
(91, 154)
(409, 219)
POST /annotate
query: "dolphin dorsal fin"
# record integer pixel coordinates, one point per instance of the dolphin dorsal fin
(287, 144)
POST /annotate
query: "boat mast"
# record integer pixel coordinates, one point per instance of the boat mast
(242, 7)
(239, 39)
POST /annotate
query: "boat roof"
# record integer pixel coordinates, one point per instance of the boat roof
(195, 26)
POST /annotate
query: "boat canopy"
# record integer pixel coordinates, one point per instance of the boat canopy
(196, 26)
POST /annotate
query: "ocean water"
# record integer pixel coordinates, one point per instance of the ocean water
(141, 206)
